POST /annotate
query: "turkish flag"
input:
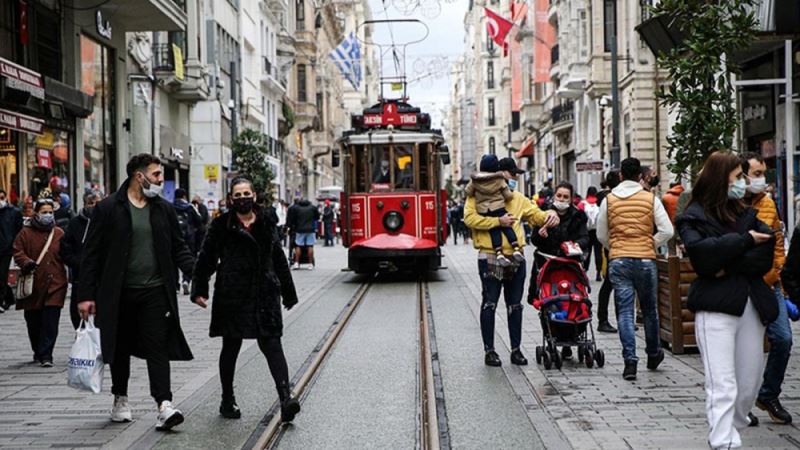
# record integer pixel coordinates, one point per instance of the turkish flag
(497, 27)
(23, 22)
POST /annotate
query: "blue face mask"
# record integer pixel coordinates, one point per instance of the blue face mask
(512, 184)
(737, 189)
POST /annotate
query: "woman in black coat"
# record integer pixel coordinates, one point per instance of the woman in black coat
(243, 248)
(731, 251)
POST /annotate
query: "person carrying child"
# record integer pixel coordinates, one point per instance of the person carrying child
(491, 192)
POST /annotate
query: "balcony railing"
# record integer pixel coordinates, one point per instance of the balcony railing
(163, 60)
(554, 55)
(562, 113)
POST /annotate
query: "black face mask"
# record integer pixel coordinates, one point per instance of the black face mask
(654, 181)
(243, 205)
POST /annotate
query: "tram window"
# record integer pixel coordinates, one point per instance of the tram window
(424, 175)
(381, 168)
(404, 161)
(359, 168)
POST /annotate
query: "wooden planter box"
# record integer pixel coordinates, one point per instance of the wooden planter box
(677, 322)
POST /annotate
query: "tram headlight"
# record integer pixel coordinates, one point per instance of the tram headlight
(393, 221)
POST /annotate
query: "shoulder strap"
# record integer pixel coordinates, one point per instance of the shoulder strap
(46, 246)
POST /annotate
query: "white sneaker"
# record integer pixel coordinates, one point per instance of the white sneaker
(168, 417)
(295, 266)
(503, 261)
(121, 411)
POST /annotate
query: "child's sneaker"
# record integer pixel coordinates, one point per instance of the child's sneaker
(503, 260)
(518, 255)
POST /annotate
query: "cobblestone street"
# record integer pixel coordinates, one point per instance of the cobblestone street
(510, 407)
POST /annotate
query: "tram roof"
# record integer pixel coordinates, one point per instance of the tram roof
(393, 136)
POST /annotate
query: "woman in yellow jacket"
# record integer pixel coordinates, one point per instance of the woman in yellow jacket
(779, 332)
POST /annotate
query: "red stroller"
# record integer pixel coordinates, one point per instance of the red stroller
(566, 313)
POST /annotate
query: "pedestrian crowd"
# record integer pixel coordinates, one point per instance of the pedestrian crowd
(727, 225)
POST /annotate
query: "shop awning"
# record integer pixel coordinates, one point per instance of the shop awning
(74, 101)
(21, 122)
(526, 150)
(22, 79)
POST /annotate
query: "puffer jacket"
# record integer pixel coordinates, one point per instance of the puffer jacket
(670, 201)
(768, 213)
(730, 267)
(490, 191)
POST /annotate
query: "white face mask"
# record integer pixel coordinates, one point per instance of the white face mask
(561, 206)
(3, 204)
(757, 185)
(151, 190)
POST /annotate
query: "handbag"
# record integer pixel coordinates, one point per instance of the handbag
(25, 282)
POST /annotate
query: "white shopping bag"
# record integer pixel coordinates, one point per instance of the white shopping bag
(85, 366)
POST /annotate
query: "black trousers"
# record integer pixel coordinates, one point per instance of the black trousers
(604, 297)
(143, 329)
(594, 247)
(43, 331)
(6, 295)
(272, 350)
(74, 316)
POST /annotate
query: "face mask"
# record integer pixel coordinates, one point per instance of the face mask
(151, 190)
(561, 206)
(512, 184)
(88, 210)
(757, 185)
(243, 205)
(737, 189)
(654, 181)
(3, 203)
(223, 209)
(45, 218)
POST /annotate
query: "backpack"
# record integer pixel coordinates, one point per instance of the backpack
(592, 211)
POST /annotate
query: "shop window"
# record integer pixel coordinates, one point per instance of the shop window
(97, 79)
(8, 166)
(48, 163)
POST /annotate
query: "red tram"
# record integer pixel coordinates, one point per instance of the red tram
(393, 210)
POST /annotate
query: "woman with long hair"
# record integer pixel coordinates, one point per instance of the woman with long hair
(731, 251)
(243, 248)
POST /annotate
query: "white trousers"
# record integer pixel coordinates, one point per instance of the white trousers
(732, 349)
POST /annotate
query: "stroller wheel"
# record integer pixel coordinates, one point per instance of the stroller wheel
(600, 358)
(589, 358)
(581, 351)
(539, 352)
(557, 361)
(548, 363)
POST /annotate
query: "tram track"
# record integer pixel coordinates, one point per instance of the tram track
(431, 418)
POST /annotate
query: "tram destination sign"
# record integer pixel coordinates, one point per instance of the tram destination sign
(390, 116)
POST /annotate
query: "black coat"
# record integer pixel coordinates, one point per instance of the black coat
(790, 275)
(72, 245)
(10, 226)
(730, 267)
(572, 227)
(252, 276)
(104, 262)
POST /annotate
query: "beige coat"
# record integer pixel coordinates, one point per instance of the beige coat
(489, 190)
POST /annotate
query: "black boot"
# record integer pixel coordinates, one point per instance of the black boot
(491, 359)
(229, 409)
(517, 358)
(289, 405)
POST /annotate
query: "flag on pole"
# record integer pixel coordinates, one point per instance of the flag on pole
(347, 57)
(497, 27)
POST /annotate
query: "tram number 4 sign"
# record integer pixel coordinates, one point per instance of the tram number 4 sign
(590, 166)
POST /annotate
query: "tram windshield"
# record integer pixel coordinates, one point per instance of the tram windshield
(389, 167)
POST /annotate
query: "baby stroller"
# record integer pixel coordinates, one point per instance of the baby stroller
(566, 313)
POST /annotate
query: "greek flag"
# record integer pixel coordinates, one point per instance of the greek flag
(347, 57)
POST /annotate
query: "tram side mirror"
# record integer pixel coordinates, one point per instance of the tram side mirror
(335, 157)
(444, 154)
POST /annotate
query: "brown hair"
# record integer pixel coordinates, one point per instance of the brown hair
(711, 189)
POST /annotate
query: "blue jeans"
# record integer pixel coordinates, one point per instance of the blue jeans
(632, 277)
(490, 293)
(779, 334)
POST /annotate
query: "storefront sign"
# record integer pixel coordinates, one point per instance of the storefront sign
(103, 26)
(22, 78)
(43, 159)
(590, 166)
(176, 153)
(757, 112)
(211, 172)
(21, 122)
